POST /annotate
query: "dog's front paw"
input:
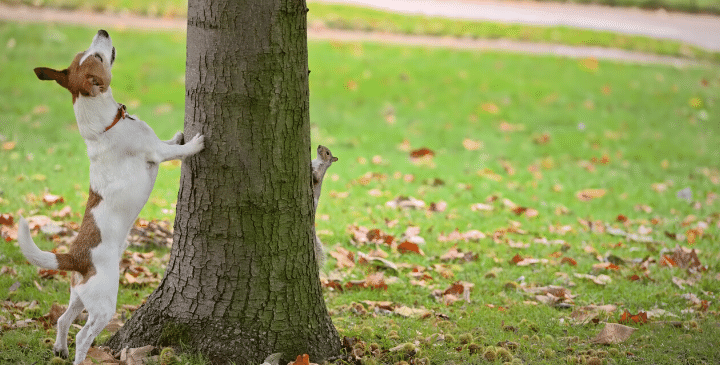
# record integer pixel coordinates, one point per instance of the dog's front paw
(178, 138)
(198, 143)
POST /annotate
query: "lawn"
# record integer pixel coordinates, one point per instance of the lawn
(541, 186)
(358, 18)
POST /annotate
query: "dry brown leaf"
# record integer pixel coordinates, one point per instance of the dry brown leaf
(601, 279)
(114, 325)
(136, 356)
(684, 258)
(303, 359)
(406, 203)
(589, 313)
(471, 144)
(345, 258)
(6, 219)
(63, 213)
(376, 260)
(405, 311)
(51, 199)
(627, 317)
(490, 108)
(481, 207)
(100, 355)
(590, 194)
(612, 334)
(422, 152)
(376, 281)
(408, 246)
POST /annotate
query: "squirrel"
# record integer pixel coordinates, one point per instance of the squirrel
(319, 167)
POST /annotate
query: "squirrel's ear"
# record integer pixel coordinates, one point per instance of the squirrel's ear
(334, 159)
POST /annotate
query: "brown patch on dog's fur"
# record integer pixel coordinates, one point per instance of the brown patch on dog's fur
(79, 258)
(88, 79)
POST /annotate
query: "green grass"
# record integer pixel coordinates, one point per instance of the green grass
(366, 19)
(654, 125)
(690, 6)
(179, 7)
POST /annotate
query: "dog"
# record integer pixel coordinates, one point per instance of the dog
(124, 157)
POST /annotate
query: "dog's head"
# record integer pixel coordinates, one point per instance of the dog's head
(89, 73)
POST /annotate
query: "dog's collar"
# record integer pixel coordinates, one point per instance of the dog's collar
(121, 114)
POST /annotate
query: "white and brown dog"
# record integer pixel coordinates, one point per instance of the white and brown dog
(124, 156)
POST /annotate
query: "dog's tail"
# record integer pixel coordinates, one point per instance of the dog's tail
(32, 253)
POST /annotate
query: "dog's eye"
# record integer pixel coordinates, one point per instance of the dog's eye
(99, 57)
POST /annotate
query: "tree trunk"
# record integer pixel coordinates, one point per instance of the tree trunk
(242, 280)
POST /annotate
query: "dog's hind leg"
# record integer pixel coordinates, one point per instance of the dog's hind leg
(98, 318)
(63, 324)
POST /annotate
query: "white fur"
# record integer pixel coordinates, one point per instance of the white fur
(32, 253)
(124, 163)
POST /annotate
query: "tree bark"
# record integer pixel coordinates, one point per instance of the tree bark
(242, 280)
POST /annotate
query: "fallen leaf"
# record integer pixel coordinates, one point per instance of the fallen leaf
(541, 138)
(457, 290)
(601, 279)
(490, 108)
(528, 212)
(406, 312)
(683, 258)
(50, 319)
(51, 199)
(9, 145)
(301, 360)
(135, 356)
(406, 203)
(627, 317)
(482, 207)
(590, 64)
(440, 206)
(421, 152)
(101, 355)
(472, 145)
(345, 258)
(612, 334)
(590, 313)
(605, 266)
(376, 281)
(456, 254)
(375, 260)
(408, 246)
(273, 359)
(6, 219)
(63, 213)
(590, 194)
(114, 325)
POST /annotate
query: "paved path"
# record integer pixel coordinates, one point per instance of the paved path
(700, 30)
(27, 14)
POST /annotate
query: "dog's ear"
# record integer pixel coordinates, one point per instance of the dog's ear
(45, 73)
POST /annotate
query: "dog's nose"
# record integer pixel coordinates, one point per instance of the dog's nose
(103, 33)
